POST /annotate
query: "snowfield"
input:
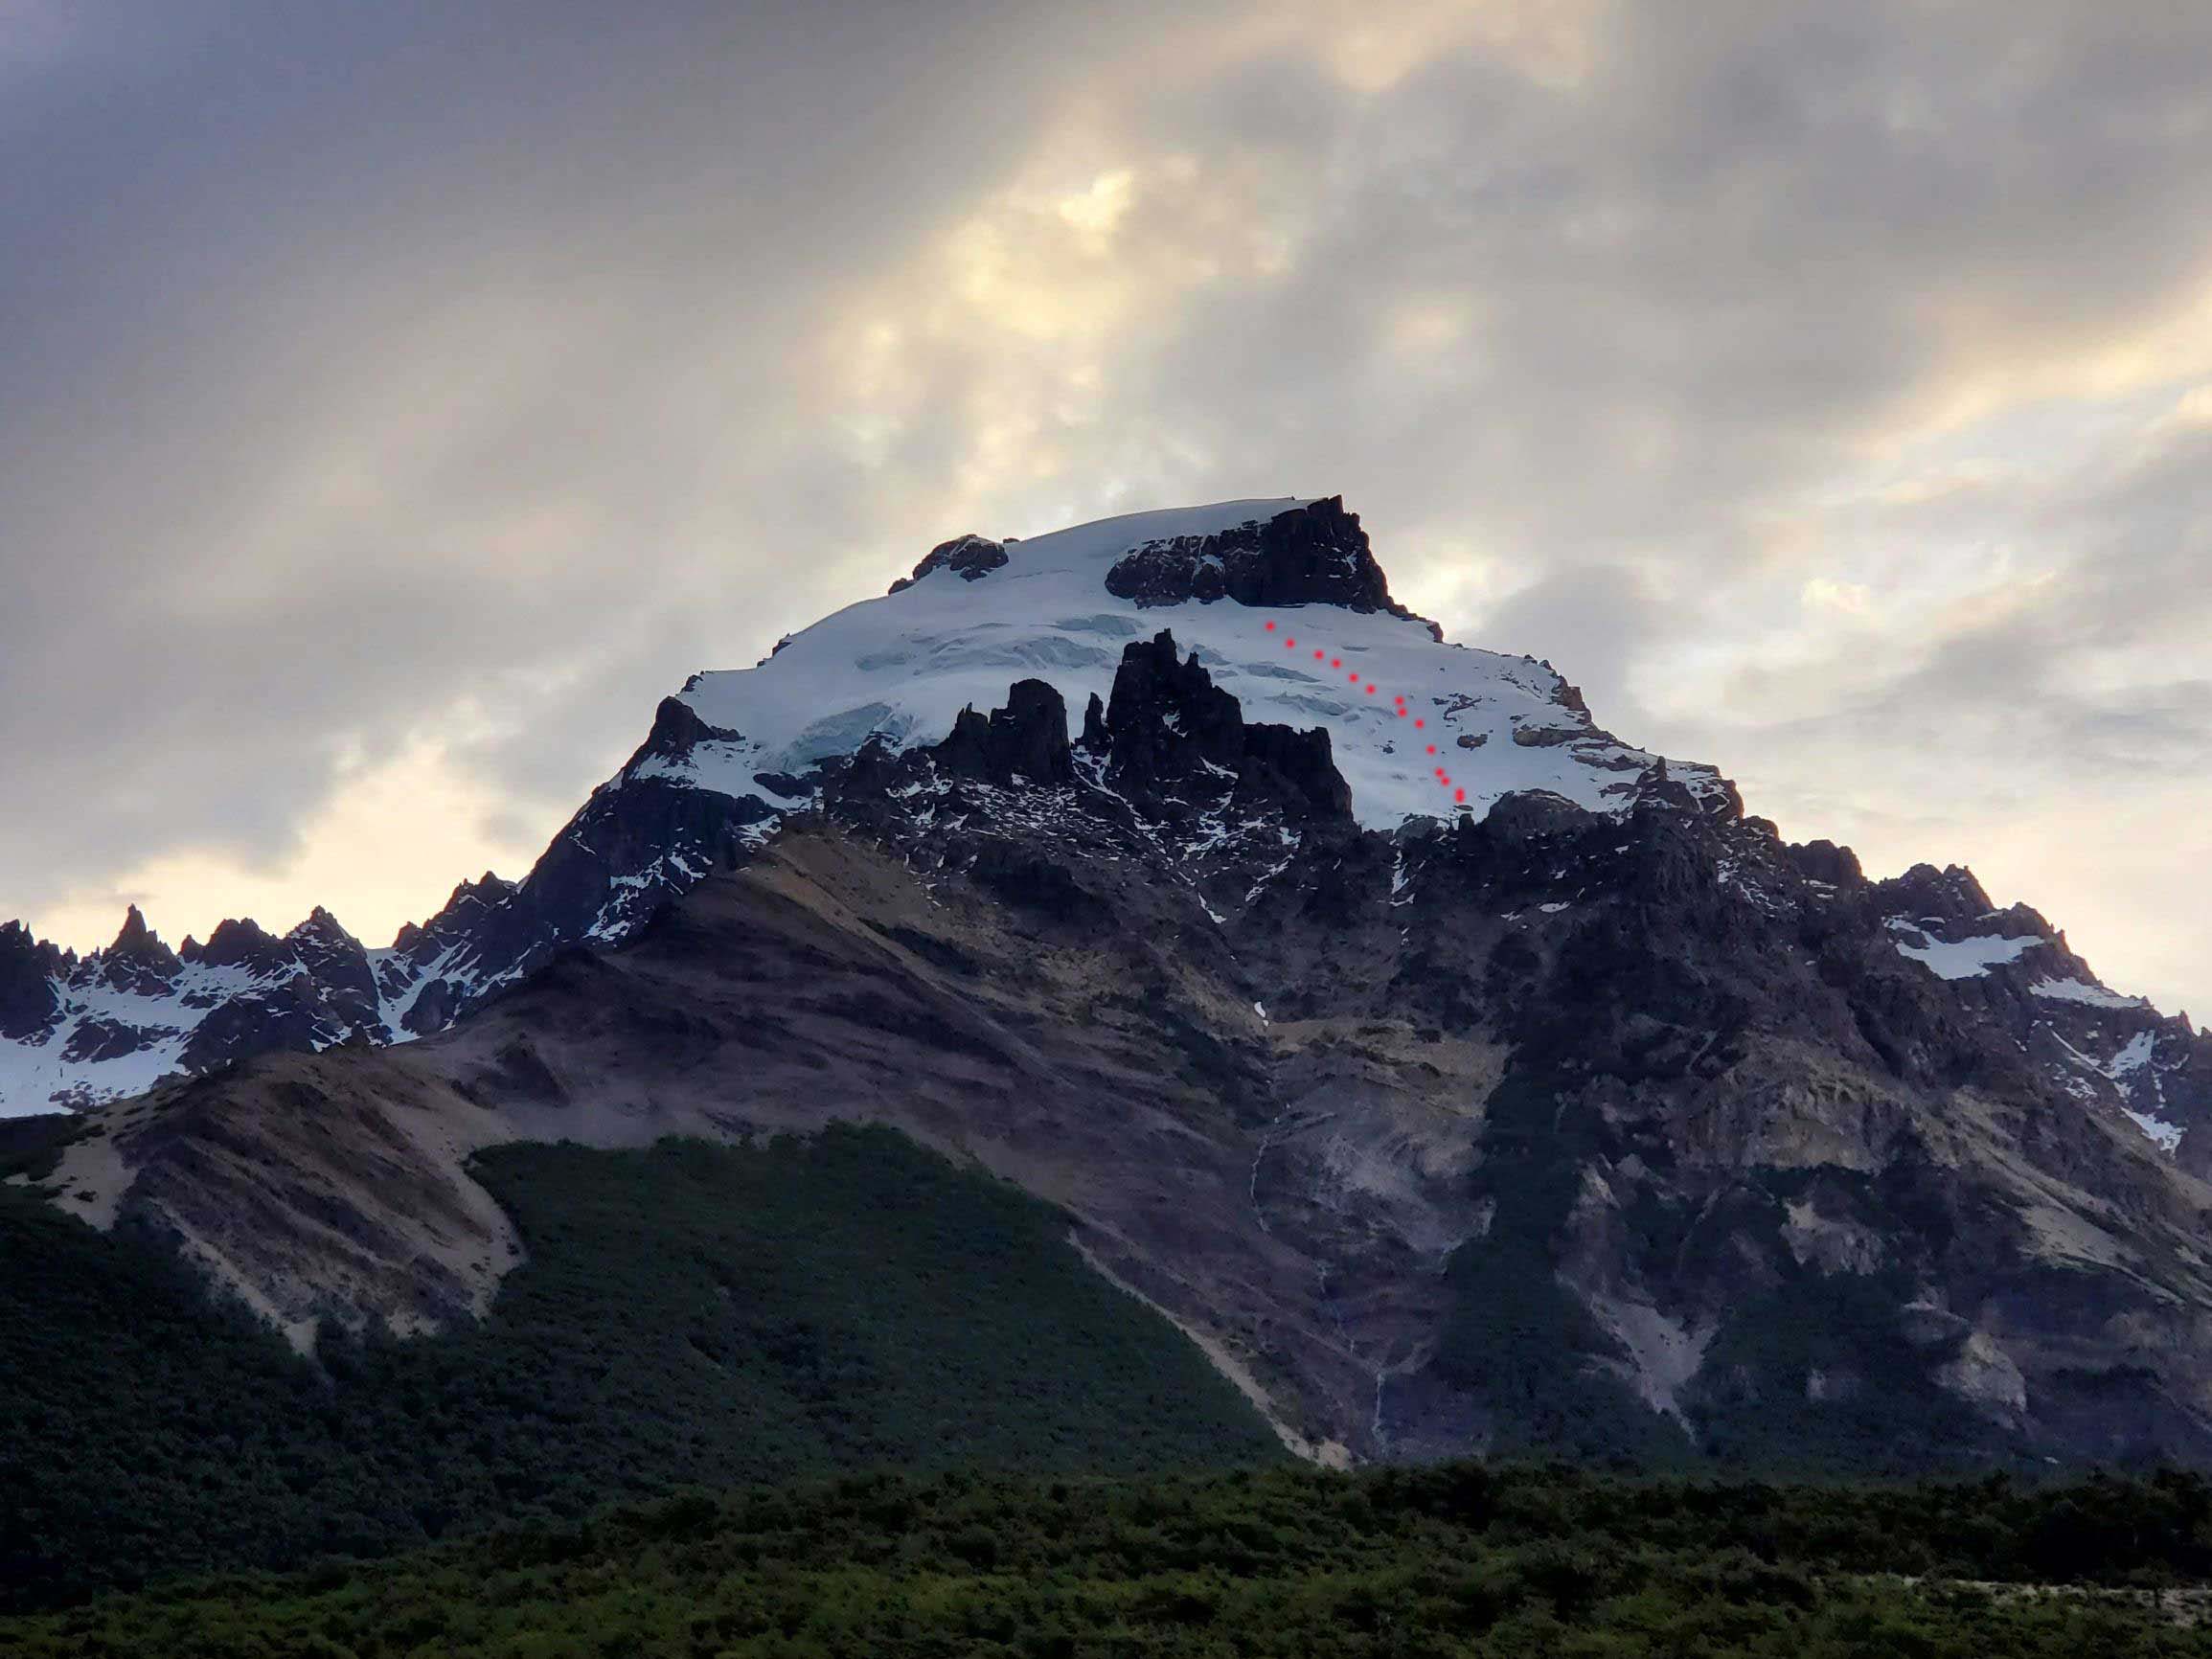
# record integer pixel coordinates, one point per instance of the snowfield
(2093, 995)
(1960, 958)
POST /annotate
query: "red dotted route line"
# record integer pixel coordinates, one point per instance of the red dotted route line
(1443, 778)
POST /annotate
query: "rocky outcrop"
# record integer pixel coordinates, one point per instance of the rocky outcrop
(289, 1015)
(1167, 721)
(138, 961)
(29, 1002)
(240, 945)
(971, 557)
(1169, 735)
(677, 728)
(1312, 554)
(338, 964)
(1026, 741)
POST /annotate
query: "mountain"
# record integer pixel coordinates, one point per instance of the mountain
(1460, 1075)
(735, 753)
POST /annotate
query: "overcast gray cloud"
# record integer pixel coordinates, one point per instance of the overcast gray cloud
(400, 399)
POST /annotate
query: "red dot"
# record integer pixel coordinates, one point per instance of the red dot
(1461, 796)
(1432, 748)
(1289, 644)
(1270, 628)
(1440, 771)
(1318, 655)
(1420, 722)
(1402, 713)
(1336, 662)
(1354, 676)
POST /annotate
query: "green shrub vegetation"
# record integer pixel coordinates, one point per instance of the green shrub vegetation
(842, 1398)
(687, 1315)
(1458, 1559)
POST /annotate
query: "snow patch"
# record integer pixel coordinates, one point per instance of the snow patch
(2093, 995)
(2133, 1057)
(1959, 958)
(2168, 1136)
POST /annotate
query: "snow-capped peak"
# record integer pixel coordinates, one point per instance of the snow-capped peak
(899, 668)
(1280, 604)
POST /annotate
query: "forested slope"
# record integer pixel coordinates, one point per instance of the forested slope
(687, 1314)
(1298, 1563)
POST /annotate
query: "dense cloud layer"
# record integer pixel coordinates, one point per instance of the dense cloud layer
(401, 397)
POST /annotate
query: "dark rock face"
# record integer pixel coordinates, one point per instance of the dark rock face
(1169, 735)
(1702, 1097)
(1530, 816)
(336, 962)
(971, 557)
(138, 961)
(676, 727)
(590, 877)
(1172, 747)
(1297, 772)
(29, 968)
(1951, 893)
(1825, 862)
(240, 944)
(106, 1039)
(289, 1017)
(1312, 554)
(2182, 1067)
(1026, 741)
(1166, 720)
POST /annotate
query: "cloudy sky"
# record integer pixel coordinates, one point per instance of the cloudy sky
(396, 400)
